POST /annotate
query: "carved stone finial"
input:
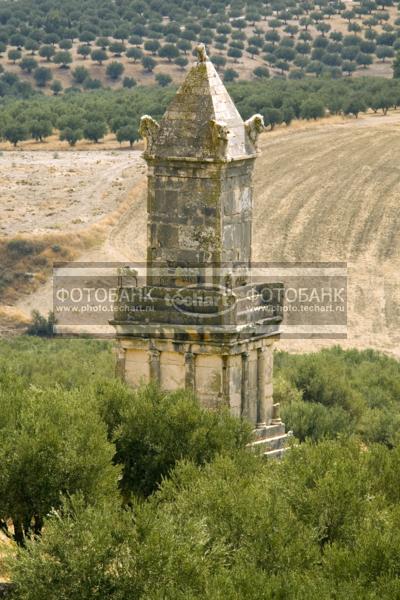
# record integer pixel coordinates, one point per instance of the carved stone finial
(219, 133)
(201, 53)
(148, 130)
(254, 126)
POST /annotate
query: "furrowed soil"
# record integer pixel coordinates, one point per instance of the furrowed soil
(327, 191)
(331, 193)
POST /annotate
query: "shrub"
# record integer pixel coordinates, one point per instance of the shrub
(114, 70)
(230, 75)
(51, 444)
(63, 58)
(261, 72)
(42, 326)
(42, 76)
(56, 87)
(312, 108)
(80, 74)
(158, 429)
(15, 132)
(148, 63)
(320, 392)
(94, 130)
(23, 247)
(322, 522)
(163, 79)
(129, 82)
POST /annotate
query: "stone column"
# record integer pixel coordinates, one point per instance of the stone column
(225, 381)
(262, 404)
(120, 363)
(245, 384)
(190, 371)
(269, 366)
(155, 370)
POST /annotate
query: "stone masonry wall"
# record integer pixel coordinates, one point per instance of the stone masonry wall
(198, 213)
(238, 377)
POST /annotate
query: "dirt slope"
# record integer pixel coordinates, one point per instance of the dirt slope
(332, 192)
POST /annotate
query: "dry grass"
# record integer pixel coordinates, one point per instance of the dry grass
(53, 144)
(5, 546)
(27, 261)
(63, 190)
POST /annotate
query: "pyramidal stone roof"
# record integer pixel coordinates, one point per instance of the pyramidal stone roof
(202, 121)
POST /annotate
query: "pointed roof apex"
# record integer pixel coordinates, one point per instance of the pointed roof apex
(202, 121)
(201, 53)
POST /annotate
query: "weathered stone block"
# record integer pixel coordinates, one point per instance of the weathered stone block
(172, 366)
(137, 367)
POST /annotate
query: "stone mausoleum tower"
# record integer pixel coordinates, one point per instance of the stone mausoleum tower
(199, 321)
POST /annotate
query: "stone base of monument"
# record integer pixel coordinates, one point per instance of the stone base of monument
(215, 342)
(221, 371)
(271, 440)
(235, 373)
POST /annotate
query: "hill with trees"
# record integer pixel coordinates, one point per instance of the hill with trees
(46, 42)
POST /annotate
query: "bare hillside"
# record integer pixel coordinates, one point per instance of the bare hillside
(331, 192)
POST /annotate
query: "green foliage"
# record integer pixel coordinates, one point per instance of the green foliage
(222, 522)
(230, 75)
(396, 67)
(32, 361)
(163, 79)
(114, 70)
(217, 60)
(28, 64)
(279, 100)
(103, 527)
(135, 54)
(322, 523)
(159, 429)
(170, 30)
(41, 128)
(47, 52)
(168, 51)
(63, 58)
(84, 50)
(338, 392)
(14, 55)
(94, 130)
(79, 74)
(353, 106)
(129, 82)
(56, 87)
(117, 48)
(72, 136)
(51, 444)
(261, 72)
(272, 116)
(99, 55)
(42, 326)
(128, 133)
(15, 132)
(42, 76)
(148, 63)
(313, 108)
